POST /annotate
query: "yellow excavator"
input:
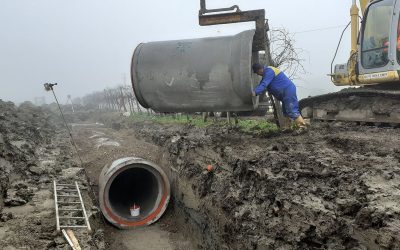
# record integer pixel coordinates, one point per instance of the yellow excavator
(373, 65)
(374, 47)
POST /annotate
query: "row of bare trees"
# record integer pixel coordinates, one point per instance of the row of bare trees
(120, 98)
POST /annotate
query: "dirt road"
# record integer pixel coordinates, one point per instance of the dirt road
(336, 186)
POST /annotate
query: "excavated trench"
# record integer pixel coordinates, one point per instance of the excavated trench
(334, 187)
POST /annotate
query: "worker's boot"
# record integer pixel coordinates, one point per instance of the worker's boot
(299, 121)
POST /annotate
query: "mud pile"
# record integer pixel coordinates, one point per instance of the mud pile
(22, 129)
(335, 187)
(34, 150)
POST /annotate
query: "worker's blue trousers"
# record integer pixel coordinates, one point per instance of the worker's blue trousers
(290, 104)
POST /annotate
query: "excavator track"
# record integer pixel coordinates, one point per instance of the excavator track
(368, 105)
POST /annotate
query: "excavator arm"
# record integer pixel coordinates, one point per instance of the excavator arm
(354, 13)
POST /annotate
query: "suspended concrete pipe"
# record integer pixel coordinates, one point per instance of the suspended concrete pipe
(197, 75)
(133, 184)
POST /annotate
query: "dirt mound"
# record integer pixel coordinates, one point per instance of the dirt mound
(334, 187)
(34, 150)
(22, 129)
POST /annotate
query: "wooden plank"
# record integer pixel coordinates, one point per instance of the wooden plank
(73, 239)
(68, 239)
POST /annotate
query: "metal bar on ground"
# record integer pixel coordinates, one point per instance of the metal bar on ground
(75, 226)
(61, 217)
(56, 206)
(65, 185)
(67, 190)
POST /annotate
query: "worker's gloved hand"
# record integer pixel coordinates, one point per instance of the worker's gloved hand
(253, 93)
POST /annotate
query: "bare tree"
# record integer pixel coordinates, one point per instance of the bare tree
(285, 55)
(120, 98)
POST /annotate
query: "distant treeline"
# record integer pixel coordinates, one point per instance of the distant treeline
(120, 98)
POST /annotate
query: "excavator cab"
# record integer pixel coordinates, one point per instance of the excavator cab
(374, 65)
(376, 58)
(379, 36)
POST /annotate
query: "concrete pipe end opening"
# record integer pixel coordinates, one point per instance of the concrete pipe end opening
(133, 192)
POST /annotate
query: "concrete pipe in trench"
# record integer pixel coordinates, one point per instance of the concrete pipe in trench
(130, 181)
(196, 75)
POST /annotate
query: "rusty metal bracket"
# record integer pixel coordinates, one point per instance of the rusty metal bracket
(260, 37)
(204, 10)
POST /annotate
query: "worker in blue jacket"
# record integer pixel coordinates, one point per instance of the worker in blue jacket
(280, 86)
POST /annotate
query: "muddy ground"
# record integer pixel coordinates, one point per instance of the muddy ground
(336, 186)
(35, 150)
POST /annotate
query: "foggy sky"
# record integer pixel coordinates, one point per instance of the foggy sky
(86, 45)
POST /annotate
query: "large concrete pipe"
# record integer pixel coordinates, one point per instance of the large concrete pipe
(133, 181)
(208, 74)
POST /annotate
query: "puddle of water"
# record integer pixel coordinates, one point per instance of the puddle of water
(106, 142)
(96, 134)
(97, 124)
